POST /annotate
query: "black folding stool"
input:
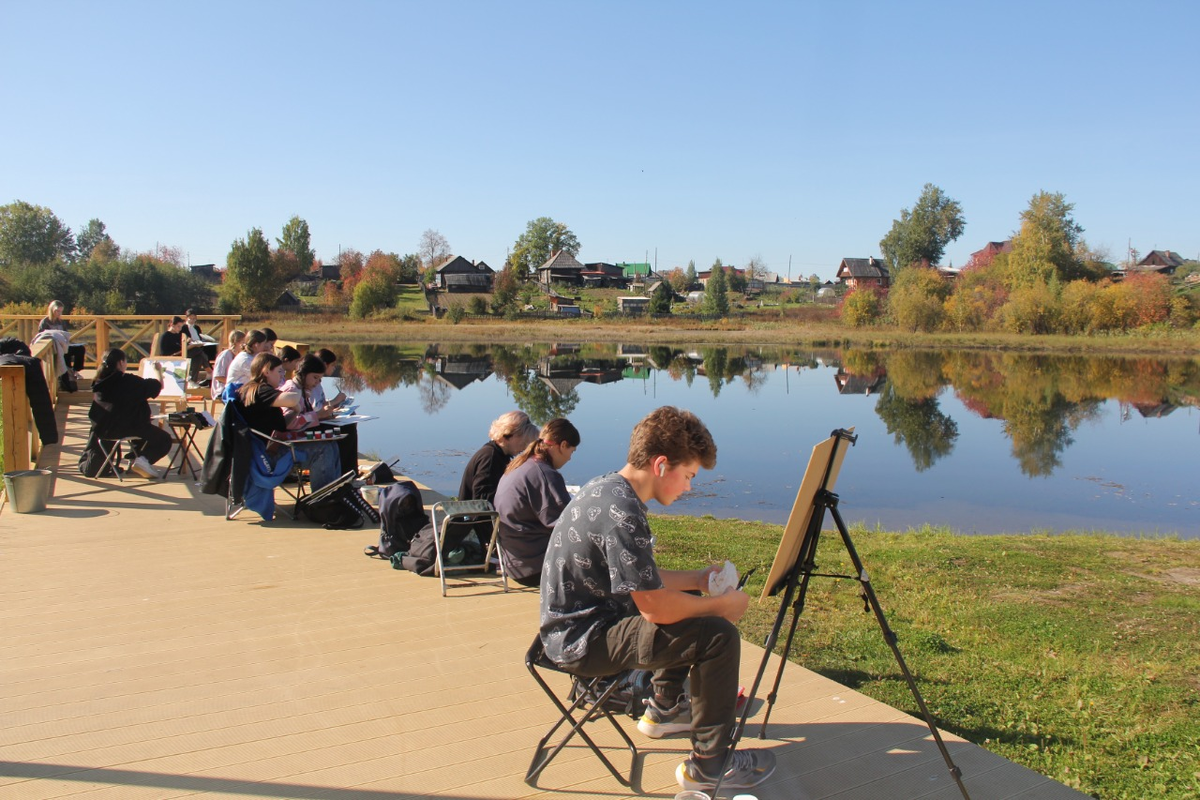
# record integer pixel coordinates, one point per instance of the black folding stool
(587, 691)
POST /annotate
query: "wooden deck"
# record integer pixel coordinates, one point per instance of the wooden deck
(151, 649)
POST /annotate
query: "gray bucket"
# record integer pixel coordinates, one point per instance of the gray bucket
(28, 489)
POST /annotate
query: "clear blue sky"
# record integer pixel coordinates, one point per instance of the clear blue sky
(697, 129)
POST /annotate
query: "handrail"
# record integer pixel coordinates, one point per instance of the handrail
(99, 332)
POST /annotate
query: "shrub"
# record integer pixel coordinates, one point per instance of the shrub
(456, 314)
(1031, 309)
(862, 307)
(916, 300)
(478, 305)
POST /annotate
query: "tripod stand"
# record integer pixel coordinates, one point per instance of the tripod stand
(794, 583)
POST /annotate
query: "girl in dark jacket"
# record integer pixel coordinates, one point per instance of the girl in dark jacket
(120, 409)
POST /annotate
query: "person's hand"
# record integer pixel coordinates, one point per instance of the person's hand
(706, 575)
(733, 604)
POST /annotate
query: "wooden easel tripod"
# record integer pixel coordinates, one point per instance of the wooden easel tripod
(794, 584)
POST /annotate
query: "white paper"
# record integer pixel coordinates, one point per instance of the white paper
(721, 582)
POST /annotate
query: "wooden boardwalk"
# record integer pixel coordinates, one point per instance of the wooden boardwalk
(151, 649)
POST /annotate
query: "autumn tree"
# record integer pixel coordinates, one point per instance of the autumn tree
(1049, 247)
(921, 234)
(542, 238)
(678, 280)
(298, 242)
(915, 301)
(862, 306)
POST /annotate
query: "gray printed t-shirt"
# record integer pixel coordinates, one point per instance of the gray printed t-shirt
(599, 552)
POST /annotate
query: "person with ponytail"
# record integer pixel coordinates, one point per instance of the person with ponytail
(530, 499)
(239, 369)
(262, 404)
(121, 408)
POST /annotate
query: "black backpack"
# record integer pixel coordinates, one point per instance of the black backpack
(401, 515)
(338, 506)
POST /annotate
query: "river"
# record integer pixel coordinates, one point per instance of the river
(980, 442)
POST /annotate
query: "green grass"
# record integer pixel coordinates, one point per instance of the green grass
(1076, 656)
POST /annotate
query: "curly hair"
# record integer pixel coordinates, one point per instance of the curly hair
(678, 435)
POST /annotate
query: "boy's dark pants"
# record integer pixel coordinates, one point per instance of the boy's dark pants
(707, 647)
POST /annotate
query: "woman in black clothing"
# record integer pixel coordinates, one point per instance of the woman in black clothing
(120, 408)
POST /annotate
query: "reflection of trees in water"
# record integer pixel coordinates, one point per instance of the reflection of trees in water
(920, 425)
(715, 362)
(915, 374)
(434, 392)
(378, 367)
(538, 400)
(1040, 432)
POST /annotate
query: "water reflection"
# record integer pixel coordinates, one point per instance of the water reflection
(1041, 400)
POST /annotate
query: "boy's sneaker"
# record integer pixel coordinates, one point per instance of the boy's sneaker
(658, 722)
(144, 468)
(748, 768)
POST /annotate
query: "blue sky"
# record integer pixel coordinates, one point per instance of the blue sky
(695, 130)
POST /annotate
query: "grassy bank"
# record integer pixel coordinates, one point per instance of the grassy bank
(1076, 656)
(749, 330)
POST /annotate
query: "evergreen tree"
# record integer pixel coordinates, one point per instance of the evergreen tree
(716, 293)
(660, 301)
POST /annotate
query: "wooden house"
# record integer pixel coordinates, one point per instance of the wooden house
(562, 268)
(601, 275)
(859, 272)
(1164, 262)
(457, 274)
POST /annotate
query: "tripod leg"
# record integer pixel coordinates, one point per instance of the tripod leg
(890, 637)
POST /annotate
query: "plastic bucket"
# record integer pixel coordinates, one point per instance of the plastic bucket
(28, 489)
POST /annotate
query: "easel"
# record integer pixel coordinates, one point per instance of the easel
(794, 566)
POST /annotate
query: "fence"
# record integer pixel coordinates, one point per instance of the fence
(135, 333)
(22, 444)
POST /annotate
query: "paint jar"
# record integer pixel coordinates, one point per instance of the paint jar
(691, 794)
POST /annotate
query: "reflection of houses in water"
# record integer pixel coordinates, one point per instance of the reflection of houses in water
(564, 374)
(460, 371)
(1152, 410)
(860, 384)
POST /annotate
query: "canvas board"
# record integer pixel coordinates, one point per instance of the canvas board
(802, 509)
(174, 374)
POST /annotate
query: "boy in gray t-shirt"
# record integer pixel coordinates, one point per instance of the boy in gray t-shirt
(606, 606)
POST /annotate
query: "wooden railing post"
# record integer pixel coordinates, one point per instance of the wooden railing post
(15, 417)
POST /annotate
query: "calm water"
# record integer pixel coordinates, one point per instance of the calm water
(979, 442)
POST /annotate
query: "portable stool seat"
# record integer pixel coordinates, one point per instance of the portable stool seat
(113, 450)
(594, 693)
(449, 516)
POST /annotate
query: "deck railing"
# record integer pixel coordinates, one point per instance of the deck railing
(100, 332)
(22, 443)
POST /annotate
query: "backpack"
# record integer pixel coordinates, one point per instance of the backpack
(630, 697)
(422, 550)
(401, 516)
(338, 506)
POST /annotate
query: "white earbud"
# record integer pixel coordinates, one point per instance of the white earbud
(662, 469)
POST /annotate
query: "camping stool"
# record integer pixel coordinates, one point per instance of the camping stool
(113, 450)
(589, 689)
(447, 516)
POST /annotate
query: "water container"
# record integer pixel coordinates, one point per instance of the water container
(28, 489)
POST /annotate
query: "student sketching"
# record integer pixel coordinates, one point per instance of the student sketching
(508, 435)
(606, 606)
(70, 356)
(192, 329)
(530, 498)
(308, 412)
(262, 405)
(223, 360)
(120, 408)
(171, 342)
(239, 368)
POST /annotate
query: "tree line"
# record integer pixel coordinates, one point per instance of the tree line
(1048, 281)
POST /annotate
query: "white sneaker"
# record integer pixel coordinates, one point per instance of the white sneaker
(144, 468)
